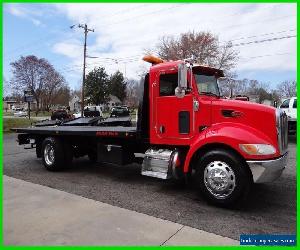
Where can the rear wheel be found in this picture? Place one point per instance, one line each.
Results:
(223, 177)
(55, 154)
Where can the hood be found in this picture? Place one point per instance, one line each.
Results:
(257, 116)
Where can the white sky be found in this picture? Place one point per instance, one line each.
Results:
(124, 31)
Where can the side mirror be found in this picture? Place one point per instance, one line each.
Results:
(182, 80)
(182, 76)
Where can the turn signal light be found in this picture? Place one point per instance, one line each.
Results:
(258, 149)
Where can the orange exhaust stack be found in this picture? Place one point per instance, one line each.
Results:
(152, 59)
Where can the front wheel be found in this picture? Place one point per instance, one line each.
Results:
(223, 177)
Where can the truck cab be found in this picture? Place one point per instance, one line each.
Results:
(228, 143)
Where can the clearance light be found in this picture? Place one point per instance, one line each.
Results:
(258, 149)
(152, 59)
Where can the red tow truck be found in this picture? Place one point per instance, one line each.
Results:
(183, 127)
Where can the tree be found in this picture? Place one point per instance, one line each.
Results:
(203, 45)
(52, 89)
(117, 85)
(62, 96)
(37, 75)
(263, 95)
(6, 87)
(287, 88)
(132, 98)
(96, 86)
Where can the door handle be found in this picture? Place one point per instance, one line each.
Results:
(162, 129)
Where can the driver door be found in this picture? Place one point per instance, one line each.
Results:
(174, 116)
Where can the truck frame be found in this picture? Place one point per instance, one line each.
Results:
(184, 127)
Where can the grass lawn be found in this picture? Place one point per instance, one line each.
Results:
(7, 113)
(9, 123)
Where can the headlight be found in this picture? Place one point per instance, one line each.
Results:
(258, 149)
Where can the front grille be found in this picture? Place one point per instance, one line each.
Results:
(282, 130)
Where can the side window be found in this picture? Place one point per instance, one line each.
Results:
(167, 84)
(285, 104)
(295, 104)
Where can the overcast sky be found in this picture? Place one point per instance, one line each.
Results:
(264, 34)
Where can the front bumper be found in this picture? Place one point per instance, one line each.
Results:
(267, 170)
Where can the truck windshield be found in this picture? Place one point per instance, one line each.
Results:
(207, 85)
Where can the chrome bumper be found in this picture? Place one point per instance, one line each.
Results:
(267, 170)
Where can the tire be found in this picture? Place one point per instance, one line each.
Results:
(223, 178)
(56, 155)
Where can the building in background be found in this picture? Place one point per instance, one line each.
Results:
(75, 103)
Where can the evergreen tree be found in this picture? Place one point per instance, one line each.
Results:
(117, 85)
(96, 86)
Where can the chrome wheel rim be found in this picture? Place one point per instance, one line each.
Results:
(49, 154)
(219, 179)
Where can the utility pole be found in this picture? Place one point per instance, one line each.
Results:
(86, 31)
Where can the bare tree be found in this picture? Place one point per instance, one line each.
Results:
(132, 98)
(52, 88)
(287, 88)
(36, 75)
(203, 45)
(6, 87)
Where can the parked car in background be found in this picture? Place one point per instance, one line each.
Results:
(289, 106)
(120, 111)
(77, 114)
(90, 111)
(60, 115)
(20, 113)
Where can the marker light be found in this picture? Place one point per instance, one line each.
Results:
(258, 149)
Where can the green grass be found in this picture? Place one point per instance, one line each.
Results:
(8, 113)
(9, 123)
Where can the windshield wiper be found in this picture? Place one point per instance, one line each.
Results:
(209, 93)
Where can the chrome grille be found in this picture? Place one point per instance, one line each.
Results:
(282, 130)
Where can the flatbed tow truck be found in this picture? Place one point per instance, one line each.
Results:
(183, 127)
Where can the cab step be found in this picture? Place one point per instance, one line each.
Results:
(158, 163)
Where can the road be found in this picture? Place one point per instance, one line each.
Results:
(270, 209)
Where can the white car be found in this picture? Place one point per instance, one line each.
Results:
(77, 115)
(289, 106)
(20, 113)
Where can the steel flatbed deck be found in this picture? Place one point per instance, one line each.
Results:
(98, 131)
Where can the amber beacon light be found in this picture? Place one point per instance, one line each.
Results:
(152, 59)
